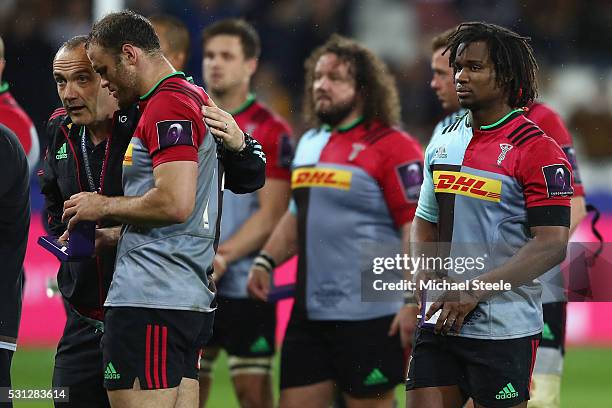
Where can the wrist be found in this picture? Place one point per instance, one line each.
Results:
(265, 261)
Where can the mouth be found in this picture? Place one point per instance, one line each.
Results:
(462, 93)
(75, 109)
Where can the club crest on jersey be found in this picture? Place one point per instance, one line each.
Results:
(505, 148)
(357, 147)
(558, 180)
(174, 133)
(440, 153)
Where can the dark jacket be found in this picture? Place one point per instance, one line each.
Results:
(85, 284)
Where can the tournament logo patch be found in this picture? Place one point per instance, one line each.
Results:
(570, 154)
(558, 180)
(285, 154)
(174, 133)
(411, 178)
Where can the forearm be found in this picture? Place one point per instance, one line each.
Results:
(423, 238)
(578, 213)
(153, 209)
(249, 238)
(532, 260)
(282, 243)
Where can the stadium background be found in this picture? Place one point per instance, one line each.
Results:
(570, 38)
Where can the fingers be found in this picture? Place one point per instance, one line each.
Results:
(459, 322)
(64, 237)
(394, 326)
(216, 114)
(441, 320)
(69, 213)
(449, 321)
(216, 124)
(433, 309)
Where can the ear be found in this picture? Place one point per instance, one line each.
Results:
(130, 53)
(252, 65)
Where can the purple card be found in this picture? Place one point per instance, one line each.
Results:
(80, 246)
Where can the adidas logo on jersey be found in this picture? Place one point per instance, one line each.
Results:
(440, 153)
(507, 392)
(61, 153)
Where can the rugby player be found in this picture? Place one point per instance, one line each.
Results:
(244, 327)
(160, 304)
(350, 191)
(16, 119)
(546, 380)
(14, 225)
(520, 213)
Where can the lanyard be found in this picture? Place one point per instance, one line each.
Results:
(90, 180)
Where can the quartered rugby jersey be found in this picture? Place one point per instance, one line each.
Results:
(484, 189)
(273, 134)
(352, 189)
(166, 267)
(552, 125)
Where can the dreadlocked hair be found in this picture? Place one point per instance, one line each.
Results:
(512, 56)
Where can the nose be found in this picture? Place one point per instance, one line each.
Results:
(461, 76)
(70, 91)
(321, 83)
(104, 83)
(433, 84)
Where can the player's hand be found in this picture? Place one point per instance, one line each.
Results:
(85, 206)
(106, 239)
(258, 284)
(219, 266)
(405, 322)
(455, 307)
(223, 126)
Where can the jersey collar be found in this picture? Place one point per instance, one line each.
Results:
(4, 87)
(148, 94)
(501, 122)
(250, 100)
(346, 127)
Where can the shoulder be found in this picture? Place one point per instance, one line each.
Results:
(549, 121)
(176, 90)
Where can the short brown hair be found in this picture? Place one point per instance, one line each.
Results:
(441, 40)
(251, 45)
(372, 80)
(177, 33)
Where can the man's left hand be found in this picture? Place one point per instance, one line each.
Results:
(223, 126)
(455, 307)
(85, 206)
(405, 321)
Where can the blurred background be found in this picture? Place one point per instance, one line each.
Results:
(571, 39)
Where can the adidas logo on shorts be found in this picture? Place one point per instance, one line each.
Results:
(110, 373)
(507, 392)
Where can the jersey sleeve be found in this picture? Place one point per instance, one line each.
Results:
(550, 122)
(401, 176)
(278, 147)
(427, 207)
(173, 131)
(546, 178)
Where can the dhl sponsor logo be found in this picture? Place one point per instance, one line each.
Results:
(321, 177)
(466, 184)
(127, 157)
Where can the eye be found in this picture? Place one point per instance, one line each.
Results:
(60, 81)
(476, 67)
(82, 78)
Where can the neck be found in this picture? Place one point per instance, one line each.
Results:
(232, 100)
(153, 71)
(490, 114)
(99, 130)
(348, 119)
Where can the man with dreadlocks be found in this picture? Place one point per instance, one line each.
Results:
(546, 381)
(497, 187)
